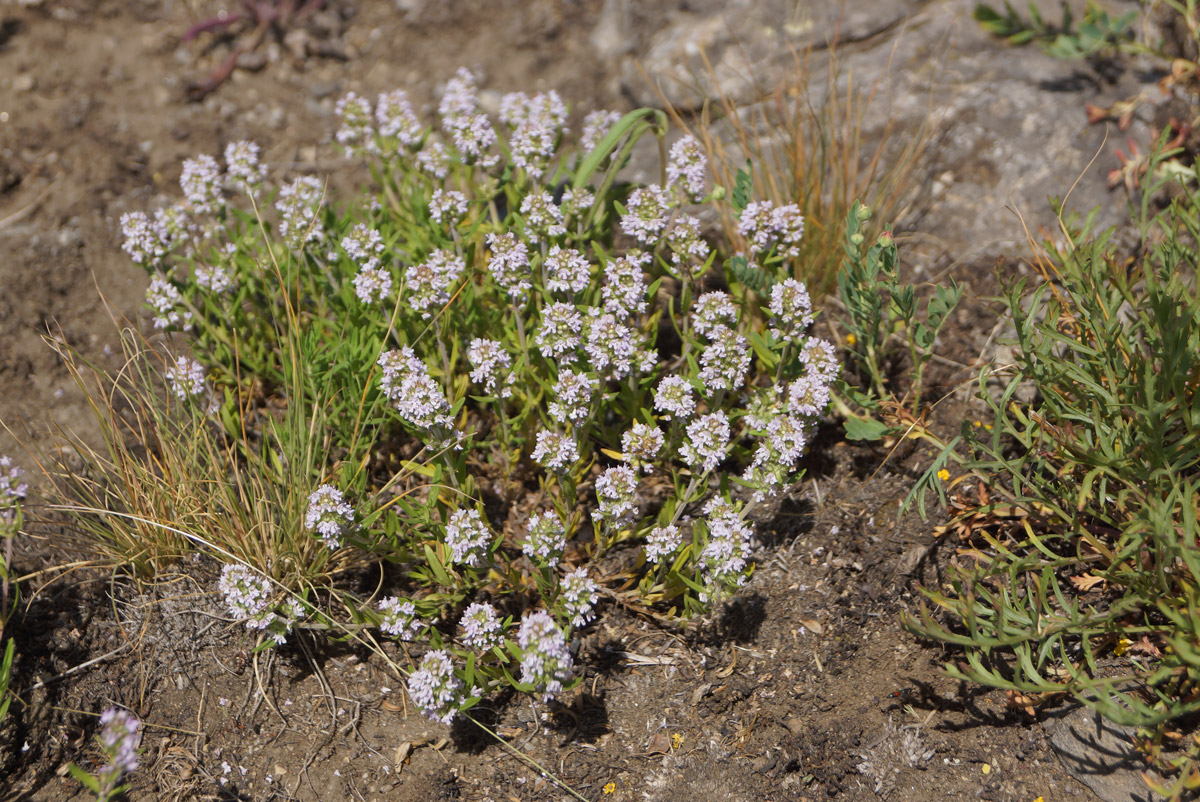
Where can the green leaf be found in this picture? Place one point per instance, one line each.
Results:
(88, 781)
(867, 429)
(742, 187)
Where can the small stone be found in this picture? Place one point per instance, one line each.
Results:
(23, 83)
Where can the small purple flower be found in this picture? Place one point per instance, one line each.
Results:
(567, 270)
(299, 204)
(201, 183)
(120, 736)
(791, 310)
(555, 450)
(624, 290)
(545, 662)
(573, 394)
(167, 302)
(490, 364)
(675, 397)
(558, 335)
(545, 538)
(596, 126)
(641, 445)
(579, 596)
(357, 132)
(399, 618)
(509, 264)
(434, 688)
(714, 310)
(724, 363)
(328, 515)
(707, 438)
(146, 241)
(468, 538)
(394, 117)
(481, 627)
(429, 282)
(372, 283)
(11, 487)
(615, 491)
(686, 168)
(186, 377)
(243, 170)
(646, 214)
(447, 207)
(662, 542)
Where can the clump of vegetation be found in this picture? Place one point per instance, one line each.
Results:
(483, 375)
(1079, 507)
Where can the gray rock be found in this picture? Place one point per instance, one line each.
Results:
(1099, 754)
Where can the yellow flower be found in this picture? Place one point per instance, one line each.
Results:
(1039, 799)
(676, 740)
(944, 475)
(851, 340)
(986, 768)
(1122, 645)
(610, 788)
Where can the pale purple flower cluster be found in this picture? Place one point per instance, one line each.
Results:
(555, 450)
(576, 202)
(434, 160)
(675, 398)
(447, 207)
(567, 270)
(724, 558)
(624, 290)
(434, 688)
(714, 310)
(687, 247)
(707, 438)
(363, 244)
(408, 385)
(468, 538)
(616, 489)
(395, 118)
(243, 169)
(167, 303)
(357, 131)
(641, 445)
(430, 281)
(543, 217)
(687, 168)
(725, 360)
(791, 310)
(596, 126)
(146, 241)
(545, 538)
(372, 283)
(579, 596)
(809, 395)
(328, 515)
(481, 627)
(11, 486)
(186, 377)
(399, 618)
(558, 335)
(545, 662)
(647, 211)
(611, 346)
(784, 439)
(820, 358)
(217, 278)
(662, 542)
(247, 596)
(201, 184)
(573, 393)
(473, 133)
(768, 228)
(120, 737)
(509, 264)
(299, 206)
(490, 363)
(537, 122)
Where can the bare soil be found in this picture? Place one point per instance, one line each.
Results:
(804, 687)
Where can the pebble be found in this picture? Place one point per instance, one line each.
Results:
(24, 83)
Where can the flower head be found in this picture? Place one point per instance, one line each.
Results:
(573, 394)
(408, 385)
(429, 282)
(468, 538)
(120, 736)
(394, 117)
(707, 438)
(641, 445)
(662, 542)
(686, 168)
(791, 310)
(299, 204)
(509, 264)
(447, 207)
(675, 397)
(372, 283)
(579, 596)
(611, 345)
(770, 228)
(201, 183)
(714, 310)
(357, 133)
(328, 515)
(434, 688)
(545, 661)
(481, 627)
(596, 126)
(545, 538)
(490, 363)
(167, 302)
(399, 618)
(11, 486)
(616, 489)
(624, 290)
(146, 241)
(555, 450)
(243, 170)
(646, 214)
(567, 270)
(724, 363)
(558, 335)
